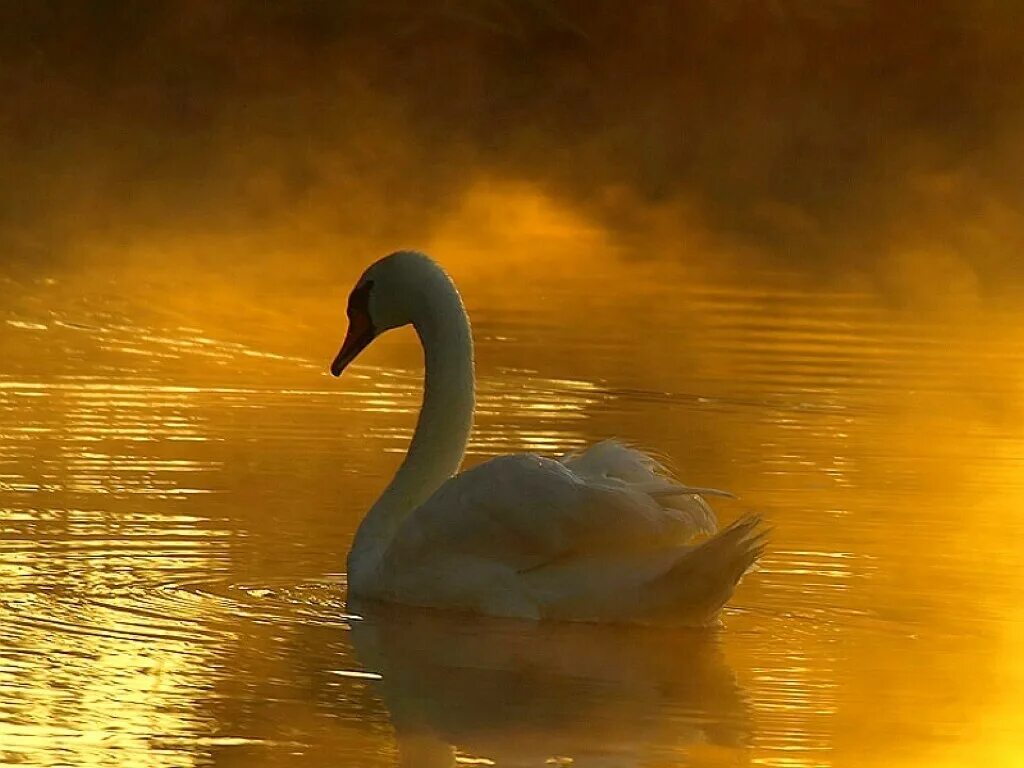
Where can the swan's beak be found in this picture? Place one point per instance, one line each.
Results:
(360, 333)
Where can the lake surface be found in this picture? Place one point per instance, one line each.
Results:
(180, 481)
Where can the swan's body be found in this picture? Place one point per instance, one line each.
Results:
(604, 535)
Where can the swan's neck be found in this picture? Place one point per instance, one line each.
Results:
(442, 429)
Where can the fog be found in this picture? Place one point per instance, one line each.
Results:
(871, 143)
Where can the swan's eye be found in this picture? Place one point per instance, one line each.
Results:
(359, 300)
(360, 327)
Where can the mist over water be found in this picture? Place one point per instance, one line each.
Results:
(865, 141)
(776, 243)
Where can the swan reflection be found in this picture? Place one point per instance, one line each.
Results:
(515, 693)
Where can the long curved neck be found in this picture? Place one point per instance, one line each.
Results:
(444, 423)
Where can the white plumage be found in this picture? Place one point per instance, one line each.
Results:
(603, 535)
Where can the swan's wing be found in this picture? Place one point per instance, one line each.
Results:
(525, 511)
(611, 461)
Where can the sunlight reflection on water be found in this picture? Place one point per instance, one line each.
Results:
(175, 509)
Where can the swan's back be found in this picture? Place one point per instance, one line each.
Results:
(585, 538)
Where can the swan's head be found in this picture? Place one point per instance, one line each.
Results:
(391, 293)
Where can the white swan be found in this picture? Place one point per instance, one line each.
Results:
(604, 535)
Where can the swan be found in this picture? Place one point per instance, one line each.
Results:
(605, 535)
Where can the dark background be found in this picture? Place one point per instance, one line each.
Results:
(833, 135)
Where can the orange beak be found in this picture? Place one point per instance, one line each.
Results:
(360, 333)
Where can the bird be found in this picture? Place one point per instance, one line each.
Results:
(604, 535)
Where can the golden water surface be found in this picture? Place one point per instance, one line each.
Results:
(180, 481)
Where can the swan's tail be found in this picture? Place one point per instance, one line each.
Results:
(698, 584)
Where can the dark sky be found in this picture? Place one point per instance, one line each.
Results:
(830, 134)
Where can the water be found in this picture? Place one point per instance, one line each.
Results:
(180, 481)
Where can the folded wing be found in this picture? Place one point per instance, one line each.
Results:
(526, 511)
